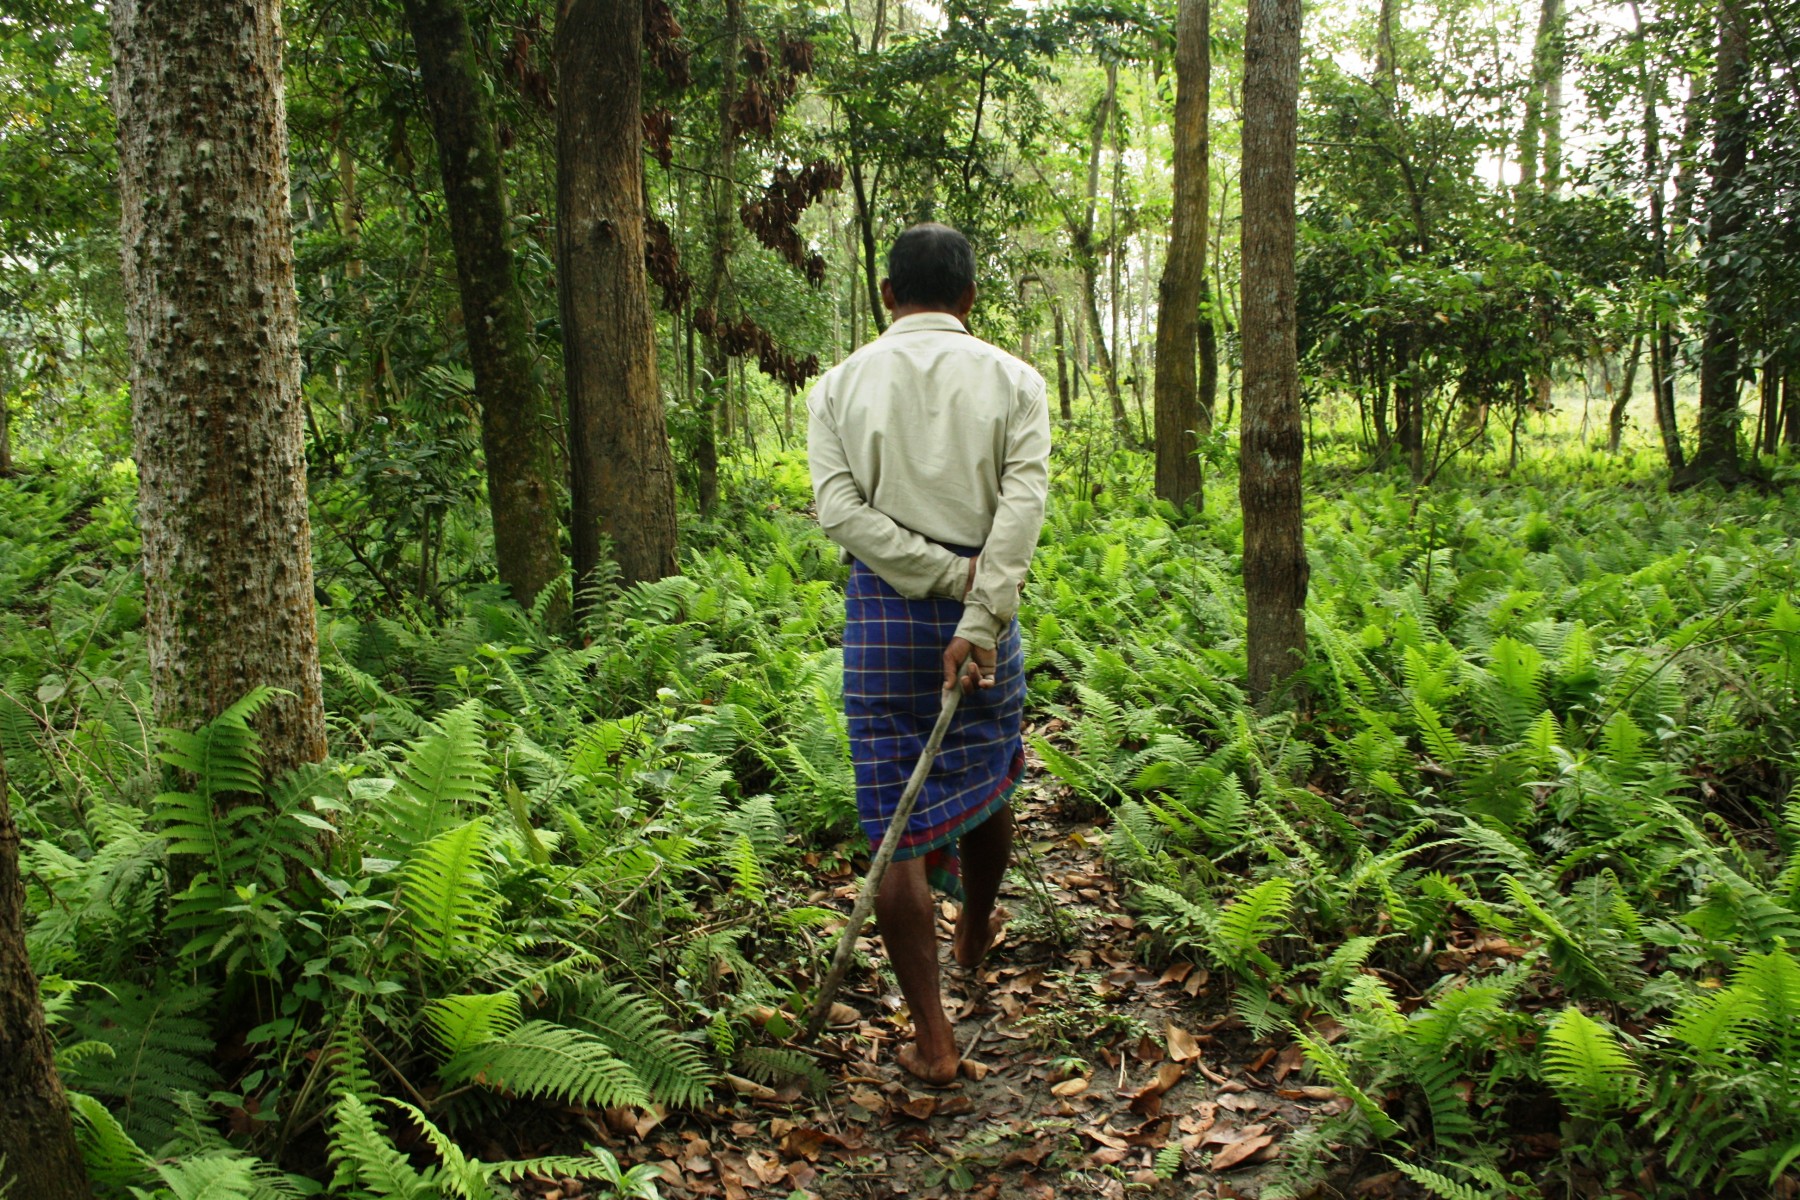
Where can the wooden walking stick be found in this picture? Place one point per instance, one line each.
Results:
(871, 887)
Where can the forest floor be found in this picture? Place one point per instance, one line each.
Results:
(1084, 1070)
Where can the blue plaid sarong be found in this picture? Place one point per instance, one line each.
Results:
(893, 678)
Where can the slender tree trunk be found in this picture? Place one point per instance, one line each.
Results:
(6, 462)
(1615, 418)
(1716, 453)
(716, 293)
(1662, 338)
(210, 310)
(1790, 408)
(516, 434)
(1769, 414)
(1543, 104)
(38, 1155)
(1088, 255)
(1062, 363)
(1272, 445)
(865, 225)
(1178, 407)
(622, 477)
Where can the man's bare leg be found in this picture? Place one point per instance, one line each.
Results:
(908, 923)
(986, 850)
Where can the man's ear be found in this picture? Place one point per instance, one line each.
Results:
(887, 295)
(966, 302)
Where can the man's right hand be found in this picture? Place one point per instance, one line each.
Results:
(973, 665)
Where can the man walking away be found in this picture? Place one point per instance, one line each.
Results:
(929, 452)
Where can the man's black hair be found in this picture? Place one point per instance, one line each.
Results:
(931, 265)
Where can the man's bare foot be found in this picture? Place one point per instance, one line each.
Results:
(938, 1072)
(974, 939)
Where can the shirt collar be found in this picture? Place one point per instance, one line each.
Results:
(920, 322)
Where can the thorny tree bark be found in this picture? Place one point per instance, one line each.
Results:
(1275, 569)
(516, 433)
(1178, 405)
(621, 475)
(207, 246)
(38, 1154)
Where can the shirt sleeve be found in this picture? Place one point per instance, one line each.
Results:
(1024, 488)
(912, 565)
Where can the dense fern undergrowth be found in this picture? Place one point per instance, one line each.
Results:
(1523, 860)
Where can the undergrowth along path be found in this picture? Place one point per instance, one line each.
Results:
(1086, 1073)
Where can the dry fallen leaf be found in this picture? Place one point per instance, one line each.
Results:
(803, 1143)
(1070, 1087)
(920, 1107)
(1028, 1156)
(842, 1014)
(749, 1087)
(1238, 1151)
(975, 1070)
(1182, 1045)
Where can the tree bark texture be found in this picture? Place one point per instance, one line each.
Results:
(622, 476)
(1716, 451)
(516, 421)
(716, 296)
(1178, 415)
(38, 1155)
(215, 366)
(1540, 143)
(1271, 445)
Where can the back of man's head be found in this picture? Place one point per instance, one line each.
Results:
(931, 266)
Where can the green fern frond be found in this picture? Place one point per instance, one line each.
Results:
(447, 893)
(1587, 1066)
(445, 774)
(461, 1023)
(1332, 1066)
(114, 1161)
(776, 1065)
(366, 1163)
(543, 1060)
(636, 1029)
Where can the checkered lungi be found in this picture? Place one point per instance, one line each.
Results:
(893, 678)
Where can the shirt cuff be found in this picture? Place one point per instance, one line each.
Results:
(953, 581)
(979, 627)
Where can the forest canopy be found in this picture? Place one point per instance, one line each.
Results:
(425, 768)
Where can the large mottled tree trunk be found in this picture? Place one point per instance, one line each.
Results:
(1178, 408)
(516, 429)
(622, 478)
(1716, 451)
(38, 1154)
(215, 366)
(1271, 445)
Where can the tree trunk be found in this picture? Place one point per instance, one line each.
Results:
(210, 311)
(1542, 134)
(1178, 408)
(716, 295)
(621, 474)
(1790, 409)
(1088, 256)
(1615, 418)
(1769, 413)
(1062, 363)
(1662, 338)
(1716, 452)
(1275, 569)
(6, 462)
(516, 435)
(38, 1155)
(865, 226)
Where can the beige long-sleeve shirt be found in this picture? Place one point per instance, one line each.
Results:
(927, 435)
